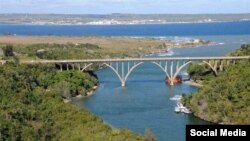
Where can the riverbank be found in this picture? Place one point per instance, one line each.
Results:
(224, 100)
(192, 83)
(88, 94)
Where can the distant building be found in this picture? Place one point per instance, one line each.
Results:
(196, 41)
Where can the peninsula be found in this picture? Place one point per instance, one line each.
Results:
(67, 47)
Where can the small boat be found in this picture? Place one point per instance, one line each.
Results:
(180, 108)
(176, 98)
(186, 111)
(177, 110)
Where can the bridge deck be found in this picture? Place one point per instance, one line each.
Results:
(134, 59)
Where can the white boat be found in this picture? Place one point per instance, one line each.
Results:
(176, 98)
(177, 109)
(181, 108)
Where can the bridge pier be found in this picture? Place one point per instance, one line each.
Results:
(221, 65)
(61, 69)
(123, 84)
(171, 82)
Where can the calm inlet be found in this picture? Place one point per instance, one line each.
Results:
(145, 101)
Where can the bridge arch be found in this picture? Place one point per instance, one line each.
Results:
(163, 69)
(213, 68)
(180, 68)
(130, 70)
(86, 66)
(123, 78)
(115, 71)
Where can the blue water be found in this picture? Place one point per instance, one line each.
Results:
(188, 29)
(145, 101)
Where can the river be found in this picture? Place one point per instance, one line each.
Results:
(145, 101)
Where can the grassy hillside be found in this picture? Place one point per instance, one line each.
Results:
(31, 107)
(225, 98)
(64, 47)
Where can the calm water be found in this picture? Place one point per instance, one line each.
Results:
(227, 28)
(145, 101)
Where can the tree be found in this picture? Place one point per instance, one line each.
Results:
(63, 88)
(8, 51)
(30, 109)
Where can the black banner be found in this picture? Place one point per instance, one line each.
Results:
(217, 132)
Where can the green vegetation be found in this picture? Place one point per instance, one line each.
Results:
(54, 51)
(199, 72)
(8, 50)
(32, 96)
(149, 136)
(58, 51)
(31, 106)
(243, 51)
(73, 82)
(225, 98)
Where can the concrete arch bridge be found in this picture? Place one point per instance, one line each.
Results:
(124, 67)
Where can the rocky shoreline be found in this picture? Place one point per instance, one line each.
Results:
(193, 83)
(79, 97)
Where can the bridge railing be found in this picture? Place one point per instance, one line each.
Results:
(134, 59)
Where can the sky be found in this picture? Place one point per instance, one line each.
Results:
(125, 6)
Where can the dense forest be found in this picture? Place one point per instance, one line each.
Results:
(32, 107)
(225, 98)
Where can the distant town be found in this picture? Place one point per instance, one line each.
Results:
(118, 19)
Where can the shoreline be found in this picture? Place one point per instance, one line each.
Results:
(192, 83)
(80, 97)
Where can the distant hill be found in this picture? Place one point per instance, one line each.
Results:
(118, 18)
